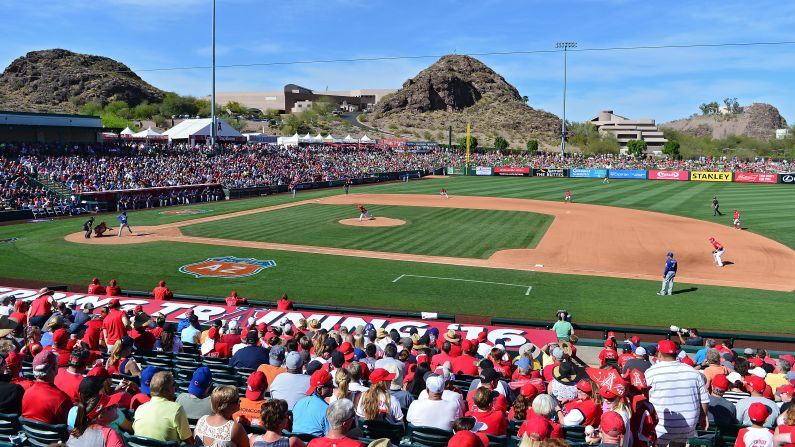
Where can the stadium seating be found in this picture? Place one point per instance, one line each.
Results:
(381, 429)
(40, 434)
(428, 436)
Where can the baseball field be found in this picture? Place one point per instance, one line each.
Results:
(499, 246)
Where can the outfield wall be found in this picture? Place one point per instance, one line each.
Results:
(787, 178)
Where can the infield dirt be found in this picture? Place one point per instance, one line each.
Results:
(583, 239)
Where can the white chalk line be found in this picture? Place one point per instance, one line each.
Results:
(529, 288)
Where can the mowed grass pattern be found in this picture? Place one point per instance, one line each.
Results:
(465, 233)
(768, 210)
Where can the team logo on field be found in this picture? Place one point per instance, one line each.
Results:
(226, 267)
(183, 212)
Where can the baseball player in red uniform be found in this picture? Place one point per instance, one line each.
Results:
(718, 252)
(443, 194)
(737, 225)
(567, 197)
(364, 214)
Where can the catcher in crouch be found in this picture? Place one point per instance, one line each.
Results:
(364, 213)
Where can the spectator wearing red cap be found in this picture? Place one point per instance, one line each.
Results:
(496, 422)
(309, 413)
(43, 401)
(785, 394)
(376, 402)
(68, 379)
(93, 425)
(786, 423)
(757, 435)
(608, 353)
(114, 326)
(756, 385)
(275, 418)
(612, 431)
(722, 413)
(251, 402)
(161, 292)
(284, 303)
(614, 401)
(583, 410)
(40, 309)
(235, 300)
(678, 393)
(523, 402)
(213, 347)
(95, 288)
(112, 289)
(534, 430)
(10, 393)
(60, 338)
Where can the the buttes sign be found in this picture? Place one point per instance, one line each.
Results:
(511, 337)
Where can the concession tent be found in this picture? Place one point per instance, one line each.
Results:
(148, 134)
(317, 138)
(329, 139)
(289, 141)
(126, 133)
(366, 140)
(198, 131)
(349, 139)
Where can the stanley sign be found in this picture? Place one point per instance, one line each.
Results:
(702, 176)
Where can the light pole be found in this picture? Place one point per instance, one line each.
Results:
(565, 46)
(213, 128)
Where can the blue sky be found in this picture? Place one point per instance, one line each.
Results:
(661, 84)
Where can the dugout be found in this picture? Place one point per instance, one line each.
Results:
(25, 127)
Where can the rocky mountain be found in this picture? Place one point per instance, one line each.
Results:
(757, 120)
(61, 81)
(460, 89)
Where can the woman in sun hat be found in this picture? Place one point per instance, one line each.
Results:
(563, 385)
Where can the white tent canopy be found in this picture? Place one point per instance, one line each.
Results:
(190, 129)
(366, 139)
(349, 139)
(289, 141)
(148, 133)
(329, 138)
(126, 133)
(317, 139)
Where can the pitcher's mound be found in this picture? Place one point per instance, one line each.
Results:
(377, 222)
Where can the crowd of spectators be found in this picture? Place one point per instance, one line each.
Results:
(304, 381)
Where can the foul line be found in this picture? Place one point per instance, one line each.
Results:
(529, 288)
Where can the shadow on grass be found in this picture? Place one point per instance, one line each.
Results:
(688, 290)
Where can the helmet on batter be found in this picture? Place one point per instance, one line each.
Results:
(671, 254)
(712, 238)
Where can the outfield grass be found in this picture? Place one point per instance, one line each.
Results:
(43, 254)
(465, 233)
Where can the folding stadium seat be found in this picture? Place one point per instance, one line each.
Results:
(9, 429)
(141, 441)
(190, 348)
(574, 434)
(214, 361)
(226, 379)
(382, 429)
(498, 441)
(428, 436)
(221, 369)
(41, 434)
(186, 356)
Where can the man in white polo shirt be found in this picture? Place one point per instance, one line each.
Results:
(678, 393)
(433, 411)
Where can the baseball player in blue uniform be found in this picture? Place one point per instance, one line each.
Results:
(123, 222)
(668, 274)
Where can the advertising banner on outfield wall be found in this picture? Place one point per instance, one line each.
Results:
(627, 173)
(550, 172)
(788, 178)
(507, 170)
(706, 176)
(455, 170)
(511, 337)
(681, 176)
(755, 177)
(483, 170)
(587, 173)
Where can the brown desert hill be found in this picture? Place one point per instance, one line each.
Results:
(459, 89)
(60, 81)
(758, 120)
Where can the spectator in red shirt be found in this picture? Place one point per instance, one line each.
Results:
(93, 334)
(59, 340)
(609, 352)
(41, 308)
(496, 422)
(115, 325)
(523, 403)
(235, 300)
(95, 288)
(442, 357)
(466, 363)
(284, 303)
(68, 379)
(20, 313)
(212, 346)
(43, 401)
(161, 292)
(144, 340)
(112, 289)
(455, 343)
(14, 370)
(490, 378)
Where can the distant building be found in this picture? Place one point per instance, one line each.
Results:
(782, 133)
(294, 98)
(49, 128)
(625, 129)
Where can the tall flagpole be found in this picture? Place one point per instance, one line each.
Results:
(213, 127)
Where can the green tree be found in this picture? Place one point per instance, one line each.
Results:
(473, 143)
(709, 108)
(532, 145)
(234, 108)
(323, 106)
(91, 109)
(145, 110)
(294, 123)
(117, 122)
(671, 149)
(118, 108)
(636, 148)
(500, 144)
(175, 105)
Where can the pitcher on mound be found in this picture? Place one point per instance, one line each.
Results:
(364, 213)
